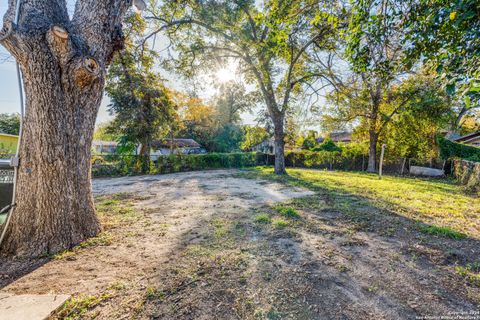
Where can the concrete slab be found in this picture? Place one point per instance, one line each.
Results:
(29, 307)
(426, 172)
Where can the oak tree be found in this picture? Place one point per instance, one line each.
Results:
(270, 41)
(63, 61)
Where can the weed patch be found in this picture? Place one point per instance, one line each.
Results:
(442, 231)
(471, 273)
(263, 218)
(288, 212)
(280, 223)
(77, 307)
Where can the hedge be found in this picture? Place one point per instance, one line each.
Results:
(453, 150)
(324, 160)
(127, 165)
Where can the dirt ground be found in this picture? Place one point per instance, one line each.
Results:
(211, 245)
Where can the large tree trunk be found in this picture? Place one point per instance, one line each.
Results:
(372, 152)
(63, 64)
(279, 140)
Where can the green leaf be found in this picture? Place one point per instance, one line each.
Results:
(474, 89)
(467, 102)
(450, 89)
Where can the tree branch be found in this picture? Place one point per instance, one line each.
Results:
(99, 24)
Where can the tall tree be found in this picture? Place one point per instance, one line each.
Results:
(63, 62)
(140, 103)
(231, 100)
(197, 120)
(270, 40)
(376, 53)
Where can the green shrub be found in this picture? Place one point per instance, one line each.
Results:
(126, 165)
(328, 145)
(324, 159)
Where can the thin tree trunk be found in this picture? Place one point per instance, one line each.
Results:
(372, 152)
(63, 63)
(144, 157)
(279, 140)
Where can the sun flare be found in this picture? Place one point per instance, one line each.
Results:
(226, 73)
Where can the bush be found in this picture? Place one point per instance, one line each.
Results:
(324, 160)
(328, 145)
(450, 149)
(127, 165)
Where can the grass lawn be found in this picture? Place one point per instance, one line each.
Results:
(439, 203)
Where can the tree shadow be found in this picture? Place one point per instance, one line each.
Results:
(12, 269)
(352, 261)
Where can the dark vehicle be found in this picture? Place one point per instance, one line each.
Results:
(6, 186)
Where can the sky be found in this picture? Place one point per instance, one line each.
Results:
(9, 91)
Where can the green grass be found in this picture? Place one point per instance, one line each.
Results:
(280, 223)
(287, 212)
(436, 202)
(263, 218)
(443, 231)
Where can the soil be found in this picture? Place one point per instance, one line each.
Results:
(190, 246)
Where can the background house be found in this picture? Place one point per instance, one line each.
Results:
(176, 146)
(104, 147)
(472, 139)
(341, 136)
(266, 146)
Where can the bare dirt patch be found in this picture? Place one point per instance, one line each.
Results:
(213, 245)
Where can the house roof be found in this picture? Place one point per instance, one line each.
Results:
(266, 142)
(341, 136)
(468, 137)
(104, 143)
(177, 143)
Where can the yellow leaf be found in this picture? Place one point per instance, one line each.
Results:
(453, 15)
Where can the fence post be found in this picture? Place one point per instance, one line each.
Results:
(403, 166)
(380, 169)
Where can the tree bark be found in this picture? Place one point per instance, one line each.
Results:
(372, 152)
(144, 158)
(63, 64)
(279, 141)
